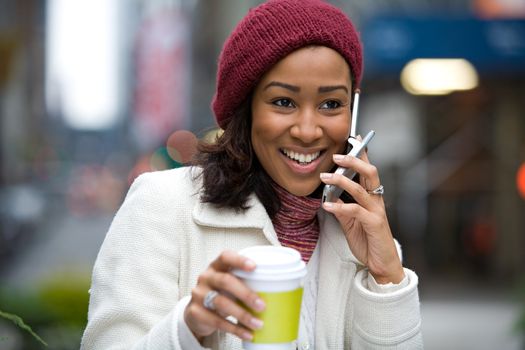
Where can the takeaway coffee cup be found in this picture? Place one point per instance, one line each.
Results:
(278, 279)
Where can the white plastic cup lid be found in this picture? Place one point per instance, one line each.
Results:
(273, 263)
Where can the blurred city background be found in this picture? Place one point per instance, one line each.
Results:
(95, 92)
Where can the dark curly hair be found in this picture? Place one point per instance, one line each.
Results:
(231, 171)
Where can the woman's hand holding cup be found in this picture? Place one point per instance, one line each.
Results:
(215, 297)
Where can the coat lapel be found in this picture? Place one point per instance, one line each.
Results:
(337, 267)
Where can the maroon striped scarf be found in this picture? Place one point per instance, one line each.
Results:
(296, 222)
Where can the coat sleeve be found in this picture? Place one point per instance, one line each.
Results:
(134, 295)
(388, 320)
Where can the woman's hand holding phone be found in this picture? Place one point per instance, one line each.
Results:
(365, 222)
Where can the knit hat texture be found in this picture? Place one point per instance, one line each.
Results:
(267, 34)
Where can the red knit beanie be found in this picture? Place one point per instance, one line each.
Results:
(267, 34)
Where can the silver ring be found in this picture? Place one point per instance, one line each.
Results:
(379, 190)
(209, 298)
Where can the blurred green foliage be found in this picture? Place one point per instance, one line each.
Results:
(56, 310)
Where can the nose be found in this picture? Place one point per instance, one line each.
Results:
(307, 127)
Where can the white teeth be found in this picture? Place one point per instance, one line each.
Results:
(301, 158)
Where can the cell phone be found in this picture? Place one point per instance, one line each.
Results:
(331, 192)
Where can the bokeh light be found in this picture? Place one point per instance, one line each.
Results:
(520, 180)
(181, 146)
(161, 160)
(438, 76)
(211, 136)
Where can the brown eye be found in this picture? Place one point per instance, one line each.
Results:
(332, 104)
(284, 102)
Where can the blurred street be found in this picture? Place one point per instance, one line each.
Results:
(66, 245)
(465, 317)
(465, 325)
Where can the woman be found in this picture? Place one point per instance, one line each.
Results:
(162, 279)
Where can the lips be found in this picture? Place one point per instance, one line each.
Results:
(302, 158)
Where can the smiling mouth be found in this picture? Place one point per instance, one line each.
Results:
(301, 158)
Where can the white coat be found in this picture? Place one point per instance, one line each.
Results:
(163, 237)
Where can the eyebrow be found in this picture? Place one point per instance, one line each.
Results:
(322, 89)
(283, 85)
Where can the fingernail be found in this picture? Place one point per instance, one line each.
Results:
(259, 304)
(256, 323)
(326, 175)
(246, 336)
(339, 157)
(249, 264)
(328, 205)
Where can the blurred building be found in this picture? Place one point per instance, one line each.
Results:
(23, 120)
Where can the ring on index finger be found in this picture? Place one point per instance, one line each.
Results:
(379, 190)
(209, 298)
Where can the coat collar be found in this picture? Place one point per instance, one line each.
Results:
(255, 217)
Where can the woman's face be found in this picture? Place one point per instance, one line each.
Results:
(301, 117)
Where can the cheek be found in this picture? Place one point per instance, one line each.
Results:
(260, 134)
(261, 137)
(339, 132)
(266, 127)
(340, 138)
(257, 143)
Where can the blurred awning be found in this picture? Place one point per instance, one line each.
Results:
(492, 46)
